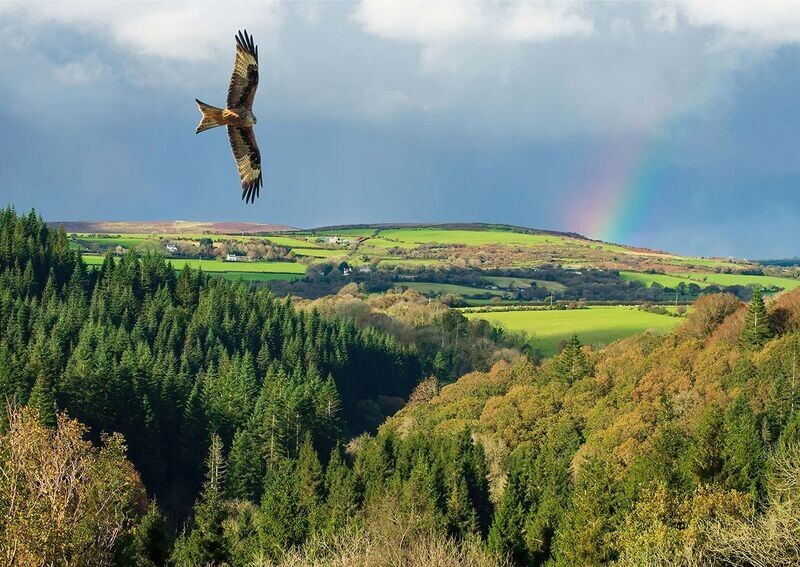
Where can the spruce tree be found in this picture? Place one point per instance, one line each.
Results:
(310, 486)
(245, 468)
(757, 330)
(43, 399)
(571, 363)
(206, 544)
(742, 448)
(341, 491)
(280, 522)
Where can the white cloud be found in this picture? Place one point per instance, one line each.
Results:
(770, 21)
(180, 31)
(431, 23)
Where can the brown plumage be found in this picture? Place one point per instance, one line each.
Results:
(238, 116)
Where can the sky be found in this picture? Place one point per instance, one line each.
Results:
(671, 125)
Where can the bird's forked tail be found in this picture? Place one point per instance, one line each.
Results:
(212, 116)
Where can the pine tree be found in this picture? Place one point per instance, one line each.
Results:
(206, 544)
(280, 522)
(583, 536)
(571, 363)
(757, 330)
(310, 486)
(342, 495)
(705, 451)
(245, 468)
(43, 399)
(505, 535)
(742, 448)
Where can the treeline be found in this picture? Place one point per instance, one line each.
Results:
(421, 485)
(675, 450)
(166, 360)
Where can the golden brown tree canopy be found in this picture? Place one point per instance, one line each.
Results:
(238, 116)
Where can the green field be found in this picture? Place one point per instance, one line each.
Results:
(470, 237)
(742, 279)
(319, 252)
(411, 262)
(598, 326)
(664, 280)
(288, 268)
(522, 283)
(289, 242)
(259, 276)
(704, 280)
(430, 288)
(347, 232)
(126, 241)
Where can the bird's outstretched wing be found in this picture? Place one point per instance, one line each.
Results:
(244, 80)
(248, 160)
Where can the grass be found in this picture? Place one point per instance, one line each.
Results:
(347, 232)
(743, 279)
(289, 242)
(288, 268)
(664, 280)
(413, 262)
(598, 326)
(124, 241)
(319, 252)
(470, 237)
(705, 262)
(430, 288)
(522, 283)
(704, 280)
(258, 277)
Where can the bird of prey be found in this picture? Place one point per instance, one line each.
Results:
(238, 116)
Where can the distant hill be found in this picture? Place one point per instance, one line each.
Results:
(169, 227)
(477, 226)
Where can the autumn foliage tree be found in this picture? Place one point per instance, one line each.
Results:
(63, 501)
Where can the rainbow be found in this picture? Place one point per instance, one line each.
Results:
(617, 192)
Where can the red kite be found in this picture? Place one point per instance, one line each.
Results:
(238, 116)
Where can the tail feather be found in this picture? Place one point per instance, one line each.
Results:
(212, 116)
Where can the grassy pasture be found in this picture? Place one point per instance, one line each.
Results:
(598, 326)
(430, 288)
(258, 276)
(125, 241)
(521, 283)
(288, 268)
(705, 262)
(665, 280)
(352, 232)
(412, 262)
(319, 252)
(289, 242)
(471, 237)
(743, 279)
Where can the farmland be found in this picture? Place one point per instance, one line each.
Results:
(462, 290)
(469, 264)
(248, 271)
(598, 326)
(476, 246)
(705, 279)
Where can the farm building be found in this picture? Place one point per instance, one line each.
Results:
(231, 257)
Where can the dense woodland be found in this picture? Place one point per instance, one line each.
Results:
(159, 418)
